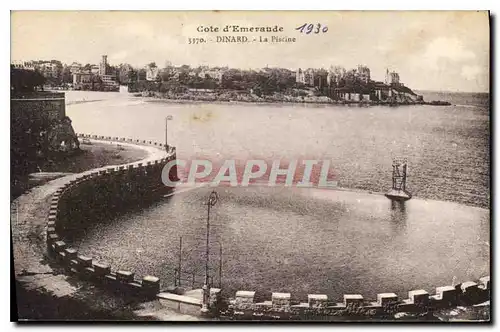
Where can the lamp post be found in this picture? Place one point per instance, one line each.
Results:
(180, 260)
(212, 200)
(220, 264)
(169, 117)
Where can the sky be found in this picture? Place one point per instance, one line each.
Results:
(445, 51)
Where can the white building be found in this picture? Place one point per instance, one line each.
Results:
(152, 73)
(49, 69)
(109, 81)
(82, 78)
(95, 69)
(300, 76)
(309, 77)
(103, 65)
(28, 65)
(213, 73)
(392, 78)
(335, 74)
(363, 73)
(75, 67)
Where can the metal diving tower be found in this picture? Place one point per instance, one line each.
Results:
(399, 173)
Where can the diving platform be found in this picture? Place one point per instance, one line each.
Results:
(398, 191)
(398, 195)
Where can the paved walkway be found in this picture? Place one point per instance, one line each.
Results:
(31, 267)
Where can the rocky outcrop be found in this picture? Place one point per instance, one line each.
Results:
(35, 144)
(61, 137)
(40, 130)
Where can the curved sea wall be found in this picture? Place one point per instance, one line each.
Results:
(318, 306)
(95, 196)
(99, 194)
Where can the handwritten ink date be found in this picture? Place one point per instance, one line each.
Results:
(196, 40)
(309, 28)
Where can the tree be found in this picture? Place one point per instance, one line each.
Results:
(141, 74)
(96, 83)
(165, 75)
(66, 76)
(112, 70)
(59, 70)
(22, 80)
(183, 77)
(124, 73)
(132, 75)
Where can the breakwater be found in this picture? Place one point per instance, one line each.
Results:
(80, 201)
(281, 306)
(95, 196)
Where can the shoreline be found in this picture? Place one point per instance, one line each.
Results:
(152, 97)
(182, 188)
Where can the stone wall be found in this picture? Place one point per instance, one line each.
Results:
(79, 202)
(49, 105)
(40, 130)
(318, 306)
(181, 304)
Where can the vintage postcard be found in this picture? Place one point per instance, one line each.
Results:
(251, 165)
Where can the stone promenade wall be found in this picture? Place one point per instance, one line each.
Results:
(318, 306)
(98, 194)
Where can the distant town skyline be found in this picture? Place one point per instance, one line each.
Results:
(447, 51)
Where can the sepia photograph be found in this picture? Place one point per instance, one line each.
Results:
(250, 166)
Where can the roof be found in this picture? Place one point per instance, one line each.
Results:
(380, 85)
